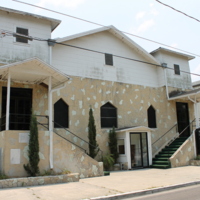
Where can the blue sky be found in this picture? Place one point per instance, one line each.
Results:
(146, 18)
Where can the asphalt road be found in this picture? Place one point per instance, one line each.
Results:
(186, 193)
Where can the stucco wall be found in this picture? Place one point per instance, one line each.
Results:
(184, 154)
(131, 101)
(11, 51)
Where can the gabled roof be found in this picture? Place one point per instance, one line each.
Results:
(189, 57)
(117, 34)
(54, 22)
(134, 129)
(33, 71)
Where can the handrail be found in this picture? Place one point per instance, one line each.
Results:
(182, 132)
(62, 137)
(98, 149)
(76, 135)
(165, 134)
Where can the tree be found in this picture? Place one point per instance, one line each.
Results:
(113, 144)
(92, 135)
(32, 167)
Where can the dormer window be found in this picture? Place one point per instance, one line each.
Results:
(109, 59)
(177, 69)
(22, 31)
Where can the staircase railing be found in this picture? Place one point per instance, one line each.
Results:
(74, 140)
(173, 130)
(190, 127)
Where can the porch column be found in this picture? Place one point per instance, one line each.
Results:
(196, 114)
(50, 122)
(8, 102)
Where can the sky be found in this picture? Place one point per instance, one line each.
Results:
(145, 18)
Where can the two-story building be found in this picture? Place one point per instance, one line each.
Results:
(147, 97)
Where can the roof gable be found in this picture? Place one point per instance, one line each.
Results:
(117, 34)
(54, 22)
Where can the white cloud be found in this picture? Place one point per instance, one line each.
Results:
(140, 15)
(145, 26)
(154, 12)
(64, 3)
(151, 4)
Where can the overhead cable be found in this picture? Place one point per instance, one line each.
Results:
(107, 26)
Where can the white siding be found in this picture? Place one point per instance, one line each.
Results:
(77, 62)
(182, 81)
(11, 51)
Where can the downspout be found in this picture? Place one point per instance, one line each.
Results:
(164, 65)
(51, 118)
(195, 111)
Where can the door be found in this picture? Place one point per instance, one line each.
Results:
(139, 150)
(20, 108)
(183, 118)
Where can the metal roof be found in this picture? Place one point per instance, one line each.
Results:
(32, 71)
(54, 22)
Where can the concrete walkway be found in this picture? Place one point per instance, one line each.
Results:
(116, 183)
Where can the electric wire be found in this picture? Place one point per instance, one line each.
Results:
(149, 40)
(178, 10)
(95, 51)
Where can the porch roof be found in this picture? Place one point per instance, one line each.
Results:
(189, 95)
(134, 128)
(32, 71)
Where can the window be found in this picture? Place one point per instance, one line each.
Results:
(177, 69)
(108, 59)
(61, 115)
(22, 31)
(121, 148)
(108, 116)
(151, 114)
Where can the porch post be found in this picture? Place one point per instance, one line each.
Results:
(196, 114)
(50, 122)
(8, 102)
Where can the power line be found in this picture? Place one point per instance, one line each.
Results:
(178, 11)
(94, 51)
(149, 40)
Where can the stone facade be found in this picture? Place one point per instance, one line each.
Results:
(40, 180)
(184, 154)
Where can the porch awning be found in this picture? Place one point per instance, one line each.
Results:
(134, 128)
(189, 95)
(33, 71)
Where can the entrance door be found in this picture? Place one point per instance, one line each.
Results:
(182, 118)
(20, 107)
(139, 150)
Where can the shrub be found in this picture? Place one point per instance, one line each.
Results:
(113, 144)
(92, 135)
(33, 152)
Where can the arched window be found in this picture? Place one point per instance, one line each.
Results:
(61, 114)
(151, 114)
(108, 116)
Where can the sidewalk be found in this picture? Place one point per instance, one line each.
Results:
(116, 183)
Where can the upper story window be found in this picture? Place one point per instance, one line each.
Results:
(108, 116)
(22, 31)
(108, 59)
(177, 69)
(151, 114)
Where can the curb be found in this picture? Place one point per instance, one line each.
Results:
(145, 192)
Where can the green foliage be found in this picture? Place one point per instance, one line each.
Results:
(113, 144)
(33, 152)
(93, 146)
(108, 161)
(3, 176)
(198, 157)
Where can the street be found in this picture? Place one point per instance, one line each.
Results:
(186, 193)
